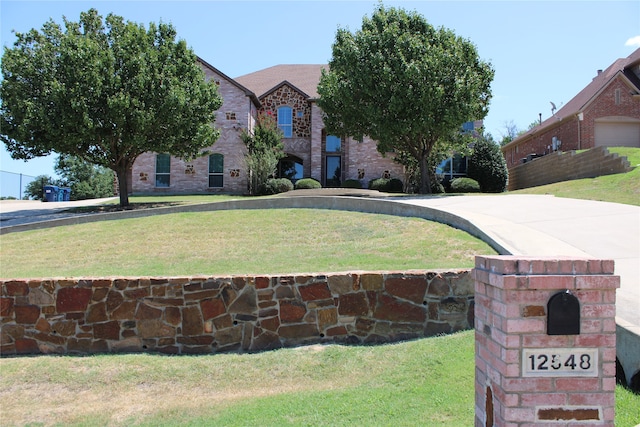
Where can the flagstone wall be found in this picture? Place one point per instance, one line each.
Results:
(185, 315)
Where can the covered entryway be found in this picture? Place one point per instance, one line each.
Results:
(617, 132)
(291, 167)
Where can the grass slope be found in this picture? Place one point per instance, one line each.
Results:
(426, 382)
(279, 241)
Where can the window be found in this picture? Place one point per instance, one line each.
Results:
(468, 127)
(216, 168)
(617, 96)
(163, 170)
(285, 121)
(333, 144)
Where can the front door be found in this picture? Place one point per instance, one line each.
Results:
(333, 171)
(332, 161)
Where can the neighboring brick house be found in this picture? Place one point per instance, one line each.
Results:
(289, 93)
(605, 113)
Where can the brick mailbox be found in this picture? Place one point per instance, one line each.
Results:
(545, 341)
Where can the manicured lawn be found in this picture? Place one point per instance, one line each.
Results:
(279, 241)
(423, 382)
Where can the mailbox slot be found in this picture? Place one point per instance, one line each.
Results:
(563, 314)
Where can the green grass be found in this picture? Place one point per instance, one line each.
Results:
(427, 382)
(279, 241)
(617, 188)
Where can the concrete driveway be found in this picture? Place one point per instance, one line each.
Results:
(553, 226)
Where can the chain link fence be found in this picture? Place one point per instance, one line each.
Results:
(13, 185)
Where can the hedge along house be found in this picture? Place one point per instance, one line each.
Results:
(289, 93)
(605, 113)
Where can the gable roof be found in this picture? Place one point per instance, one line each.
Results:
(246, 91)
(303, 77)
(578, 103)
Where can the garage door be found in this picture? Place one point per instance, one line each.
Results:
(617, 133)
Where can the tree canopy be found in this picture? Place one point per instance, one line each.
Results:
(105, 91)
(404, 83)
(86, 180)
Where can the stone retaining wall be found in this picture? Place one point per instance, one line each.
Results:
(564, 166)
(181, 315)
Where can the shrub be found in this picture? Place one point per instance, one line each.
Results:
(352, 183)
(437, 187)
(393, 185)
(488, 166)
(277, 186)
(378, 184)
(465, 185)
(307, 184)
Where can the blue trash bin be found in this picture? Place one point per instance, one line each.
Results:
(67, 194)
(51, 193)
(61, 194)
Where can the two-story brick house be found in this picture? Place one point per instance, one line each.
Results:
(289, 93)
(605, 113)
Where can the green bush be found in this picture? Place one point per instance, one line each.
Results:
(437, 187)
(307, 184)
(277, 186)
(352, 183)
(465, 185)
(488, 166)
(378, 184)
(393, 185)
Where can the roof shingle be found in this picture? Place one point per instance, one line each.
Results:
(305, 77)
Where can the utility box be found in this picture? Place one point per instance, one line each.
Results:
(545, 341)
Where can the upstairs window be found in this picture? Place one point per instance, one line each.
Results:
(163, 170)
(216, 170)
(285, 121)
(333, 144)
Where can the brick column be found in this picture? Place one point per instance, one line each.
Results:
(527, 372)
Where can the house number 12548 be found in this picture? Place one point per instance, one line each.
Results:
(560, 362)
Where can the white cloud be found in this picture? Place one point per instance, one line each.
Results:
(633, 41)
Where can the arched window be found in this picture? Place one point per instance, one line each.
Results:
(285, 121)
(216, 170)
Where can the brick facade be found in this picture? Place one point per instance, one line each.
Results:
(612, 98)
(239, 111)
(236, 113)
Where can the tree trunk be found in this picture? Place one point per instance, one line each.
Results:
(123, 190)
(425, 181)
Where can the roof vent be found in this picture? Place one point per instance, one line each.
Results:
(599, 72)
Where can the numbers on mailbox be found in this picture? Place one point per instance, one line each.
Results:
(560, 362)
(543, 362)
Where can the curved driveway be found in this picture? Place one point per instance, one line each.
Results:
(553, 226)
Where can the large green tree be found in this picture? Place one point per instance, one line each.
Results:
(404, 83)
(86, 180)
(105, 91)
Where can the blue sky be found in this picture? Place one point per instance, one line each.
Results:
(542, 51)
